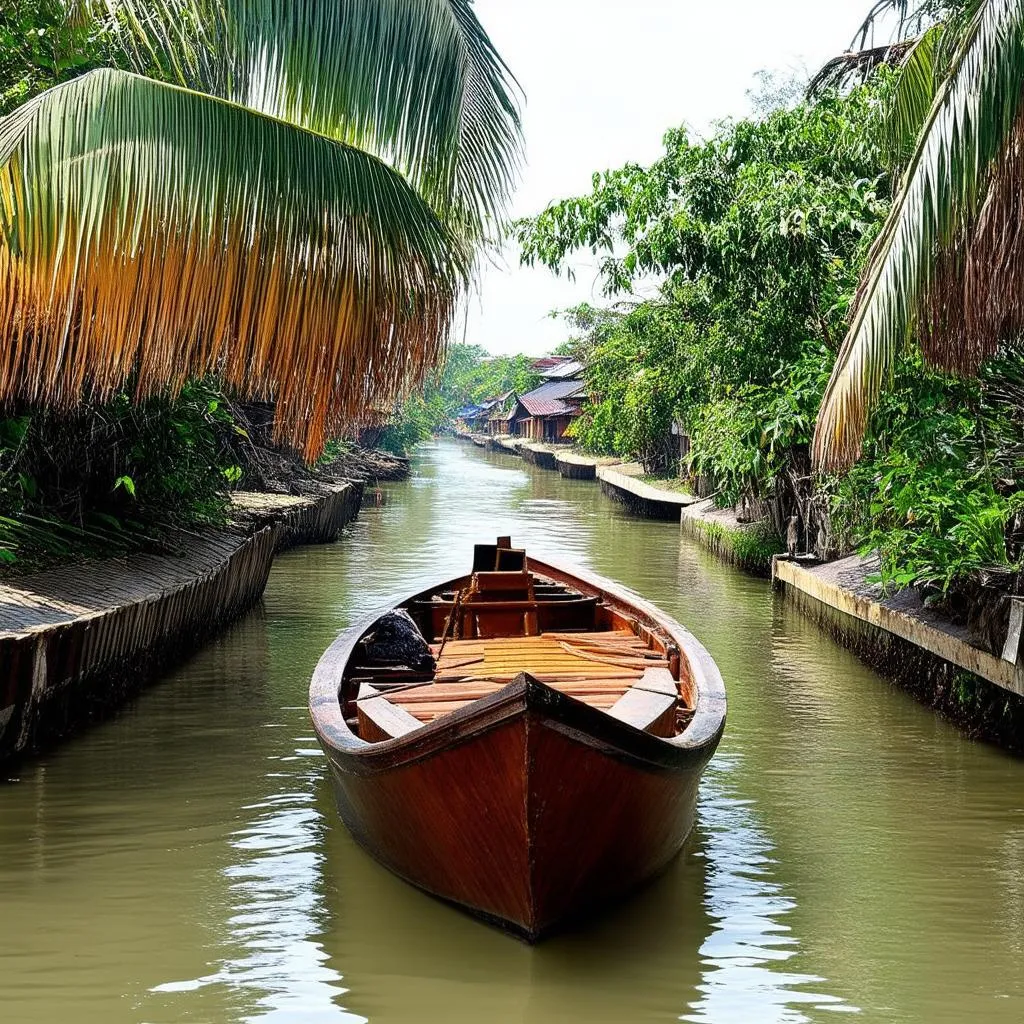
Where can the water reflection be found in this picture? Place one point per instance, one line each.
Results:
(750, 943)
(275, 894)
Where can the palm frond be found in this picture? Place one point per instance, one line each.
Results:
(854, 66)
(417, 83)
(912, 98)
(906, 19)
(967, 128)
(150, 233)
(909, 22)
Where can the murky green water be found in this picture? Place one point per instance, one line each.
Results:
(184, 862)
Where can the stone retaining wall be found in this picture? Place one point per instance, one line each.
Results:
(974, 689)
(749, 546)
(538, 455)
(576, 469)
(76, 641)
(640, 497)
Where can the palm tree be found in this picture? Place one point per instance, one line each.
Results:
(292, 201)
(948, 266)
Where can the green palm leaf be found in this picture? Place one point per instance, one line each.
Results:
(914, 93)
(155, 234)
(417, 82)
(967, 128)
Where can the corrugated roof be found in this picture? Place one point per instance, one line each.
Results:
(549, 399)
(563, 371)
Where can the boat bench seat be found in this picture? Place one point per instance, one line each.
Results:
(616, 673)
(649, 705)
(379, 719)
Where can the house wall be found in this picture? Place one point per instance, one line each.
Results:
(554, 427)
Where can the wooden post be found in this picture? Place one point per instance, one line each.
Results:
(1011, 649)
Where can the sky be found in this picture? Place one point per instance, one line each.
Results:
(603, 80)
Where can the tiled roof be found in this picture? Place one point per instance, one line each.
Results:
(547, 362)
(550, 399)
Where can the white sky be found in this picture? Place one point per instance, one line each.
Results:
(603, 80)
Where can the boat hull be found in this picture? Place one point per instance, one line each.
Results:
(541, 811)
(527, 808)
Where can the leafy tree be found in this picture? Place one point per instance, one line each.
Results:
(468, 376)
(132, 468)
(759, 235)
(42, 46)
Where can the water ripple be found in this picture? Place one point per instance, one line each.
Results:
(750, 937)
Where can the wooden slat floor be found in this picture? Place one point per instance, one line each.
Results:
(597, 668)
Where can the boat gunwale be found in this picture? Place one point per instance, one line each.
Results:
(591, 725)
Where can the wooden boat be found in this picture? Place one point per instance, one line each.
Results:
(542, 761)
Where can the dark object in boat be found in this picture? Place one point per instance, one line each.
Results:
(547, 766)
(397, 640)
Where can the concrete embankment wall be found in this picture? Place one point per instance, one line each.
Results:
(538, 455)
(576, 469)
(317, 519)
(641, 498)
(749, 546)
(75, 642)
(916, 647)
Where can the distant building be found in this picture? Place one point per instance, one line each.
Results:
(469, 417)
(546, 413)
(557, 368)
(502, 411)
(491, 416)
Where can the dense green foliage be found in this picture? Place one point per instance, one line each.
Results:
(114, 476)
(759, 236)
(940, 491)
(40, 47)
(468, 376)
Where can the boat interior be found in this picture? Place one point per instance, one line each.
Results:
(482, 631)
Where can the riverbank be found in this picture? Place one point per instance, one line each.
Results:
(622, 483)
(76, 641)
(749, 546)
(919, 648)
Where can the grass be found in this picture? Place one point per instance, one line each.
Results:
(667, 483)
(749, 547)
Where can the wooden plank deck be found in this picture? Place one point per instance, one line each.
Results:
(39, 601)
(597, 668)
(80, 637)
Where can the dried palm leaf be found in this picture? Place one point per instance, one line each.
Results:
(854, 67)
(151, 233)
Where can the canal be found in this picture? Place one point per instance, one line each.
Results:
(184, 862)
